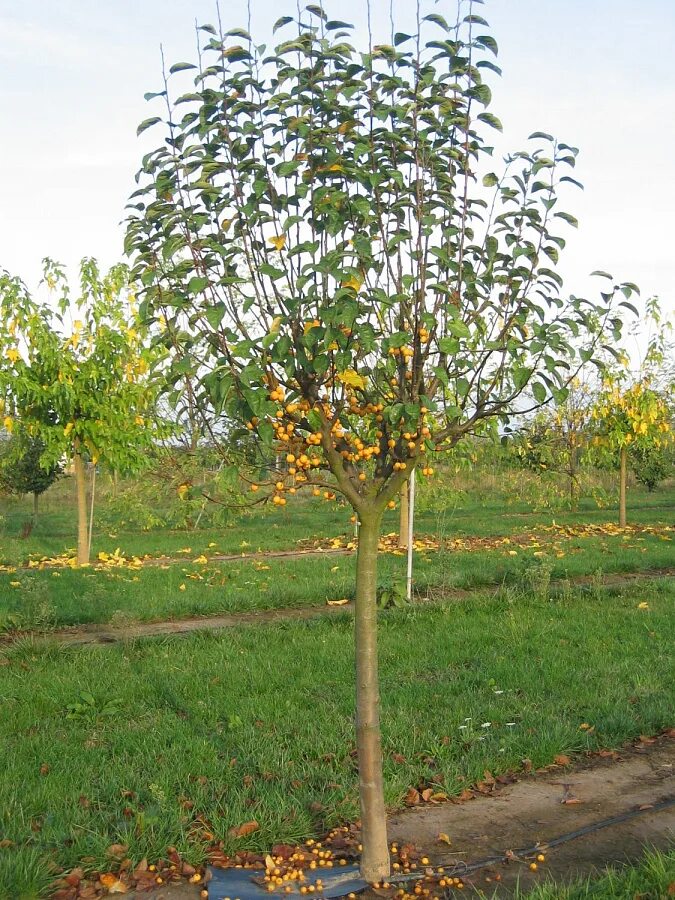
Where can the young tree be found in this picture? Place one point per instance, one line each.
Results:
(630, 416)
(74, 373)
(317, 241)
(557, 437)
(21, 469)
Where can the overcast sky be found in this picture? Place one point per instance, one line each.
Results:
(596, 73)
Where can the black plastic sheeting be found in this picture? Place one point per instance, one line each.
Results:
(238, 884)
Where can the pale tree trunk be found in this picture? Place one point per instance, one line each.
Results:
(375, 855)
(403, 517)
(36, 506)
(574, 494)
(82, 524)
(623, 466)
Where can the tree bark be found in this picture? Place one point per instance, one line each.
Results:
(623, 467)
(375, 854)
(403, 518)
(36, 505)
(82, 524)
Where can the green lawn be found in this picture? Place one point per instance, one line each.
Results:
(44, 599)
(268, 528)
(131, 743)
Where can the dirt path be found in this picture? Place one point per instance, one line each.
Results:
(632, 784)
(106, 634)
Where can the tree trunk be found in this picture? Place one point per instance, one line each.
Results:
(623, 466)
(36, 506)
(403, 518)
(573, 477)
(82, 524)
(375, 855)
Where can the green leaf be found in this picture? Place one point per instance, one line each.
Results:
(284, 20)
(490, 180)
(448, 345)
(147, 123)
(566, 217)
(316, 10)
(539, 392)
(541, 135)
(490, 120)
(437, 20)
(487, 41)
(181, 67)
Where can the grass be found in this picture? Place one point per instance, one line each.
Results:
(461, 513)
(650, 879)
(43, 599)
(139, 743)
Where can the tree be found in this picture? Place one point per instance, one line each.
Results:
(21, 469)
(314, 237)
(556, 438)
(74, 374)
(652, 464)
(630, 416)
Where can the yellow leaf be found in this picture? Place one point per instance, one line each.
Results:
(278, 242)
(181, 587)
(8, 423)
(352, 378)
(69, 427)
(276, 324)
(343, 602)
(353, 282)
(12, 354)
(443, 838)
(643, 605)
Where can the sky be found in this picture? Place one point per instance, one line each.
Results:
(598, 74)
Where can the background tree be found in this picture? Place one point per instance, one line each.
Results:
(630, 416)
(316, 240)
(652, 464)
(21, 469)
(74, 373)
(556, 439)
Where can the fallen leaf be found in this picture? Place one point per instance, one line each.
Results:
(112, 884)
(343, 602)
(562, 760)
(247, 828)
(643, 605)
(412, 798)
(443, 838)
(117, 851)
(74, 878)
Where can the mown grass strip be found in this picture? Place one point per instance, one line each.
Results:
(133, 743)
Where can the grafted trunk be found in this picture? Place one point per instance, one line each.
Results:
(375, 856)
(82, 524)
(623, 471)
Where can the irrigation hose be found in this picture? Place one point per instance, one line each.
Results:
(467, 868)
